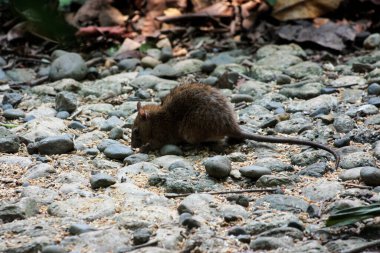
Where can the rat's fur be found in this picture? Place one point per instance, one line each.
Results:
(195, 113)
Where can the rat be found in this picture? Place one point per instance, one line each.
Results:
(196, 113)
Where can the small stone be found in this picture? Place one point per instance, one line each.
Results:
(372, 41)
(218, 166)
(370, 176)
(91, 151)
(62, 115)
(342, 142)
(166, 54)
(12, 99)
(76, 125)
(187, 220)
(208, 67)
(118, 151)
(24, 208)
(149, 62)
(344, 124)
(66, 101)
(55, 145)
(170, 149)
(283, 79)
(237, 231)
(374, 89)
(141, 236)
(374, 101)
(351, 174)
(80, 228)
(273, 181)
(361, 67)
(254, 172)
(136, 158)
(13, 114)
(128, 64)
(314, 170)
(53, 249)
(116, 133)
(110, 123)
(105, 143)
(328, 90)
(68, 65)
(143, 94)
(101, 180)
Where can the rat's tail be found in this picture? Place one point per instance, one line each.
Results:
(293, 141)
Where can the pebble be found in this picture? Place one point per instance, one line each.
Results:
(76, 125)
(68, 65)
(208, 67)
(91, 151)
(110, 123)
(13, 114)
(370, 176)
(128, 64)
(344, 124)
(356, 159)
(187, 220)
(101, 180)
(236, 231)
(117, 151)
(53, 249)
(116, 133)
(62, 115)
(141, 236)
(374, 89)
(12, 98)
(218, 166)
(149, 62)
(254, 172)
(170, 149)
(372, 41)
(66, 101)
(136, 158)
(52, 145)
(80, 228)
(166, 54)
(9, 142)
(374, 101)
(342, 142)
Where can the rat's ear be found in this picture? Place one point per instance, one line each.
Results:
(143, 114)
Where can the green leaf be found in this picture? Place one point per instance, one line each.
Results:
(351, 215)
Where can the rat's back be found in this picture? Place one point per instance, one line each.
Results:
(202, 112)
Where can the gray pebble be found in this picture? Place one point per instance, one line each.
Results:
(237, 98)
(13, 114)
(80, 228)
(166, 54)
(254, 172)
(105, 143)
(62, 115)
(344, 124)
(101, 180)
(187, 220)
(116, 133)
(374, 101)
(141, 236)
(370, 176)
(128, 64)
(118, 151)
(170, 149)
(55, 145)
(76, 125)
(91, 151)
(69, 65)
(136, 158)
(66, 101)
(12, 99)
(372, 41)
(237, 230)
(53, 249)
(218, 166)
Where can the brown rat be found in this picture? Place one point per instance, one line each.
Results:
(196, 113)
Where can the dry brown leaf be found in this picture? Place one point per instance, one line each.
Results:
(301, 9)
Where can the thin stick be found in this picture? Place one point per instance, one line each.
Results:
(175, 195)
(363, 247)
(357, 186)
(151, 243)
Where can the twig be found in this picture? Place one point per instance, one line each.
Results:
(94, 61)
(78, 111)
(151, 243)
(175, 195)
(32, 83)
(357, 186)
(363, 247)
